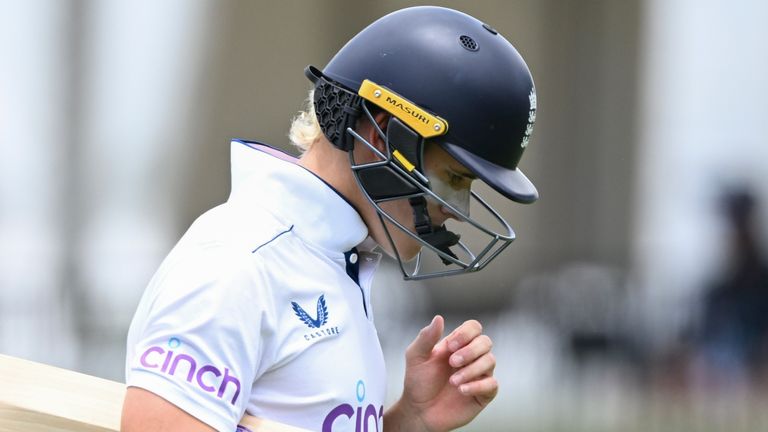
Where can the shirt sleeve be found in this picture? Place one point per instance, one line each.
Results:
(201, 343)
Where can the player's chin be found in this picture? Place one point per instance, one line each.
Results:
(410, 250)
(407, 248)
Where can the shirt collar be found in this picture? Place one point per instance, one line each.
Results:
(263, 177)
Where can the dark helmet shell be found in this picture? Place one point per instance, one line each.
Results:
(461, 70)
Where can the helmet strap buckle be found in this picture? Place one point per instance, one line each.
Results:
(439, 237)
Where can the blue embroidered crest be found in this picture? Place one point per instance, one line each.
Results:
(322, 314)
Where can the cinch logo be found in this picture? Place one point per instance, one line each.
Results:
(365, 418)
(322, 314)
(200, 375)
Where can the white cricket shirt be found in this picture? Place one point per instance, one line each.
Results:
(255, 309)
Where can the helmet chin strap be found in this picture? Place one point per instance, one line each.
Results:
(439, 237)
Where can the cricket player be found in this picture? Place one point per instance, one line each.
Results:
(263, 307)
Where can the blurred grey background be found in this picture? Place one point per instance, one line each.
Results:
(632, 299)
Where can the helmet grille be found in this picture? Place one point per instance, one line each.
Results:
(468, 43)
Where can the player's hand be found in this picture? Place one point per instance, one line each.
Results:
(447, 382)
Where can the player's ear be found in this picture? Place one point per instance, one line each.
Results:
(373, 137)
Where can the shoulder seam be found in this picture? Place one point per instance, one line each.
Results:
(272, 239)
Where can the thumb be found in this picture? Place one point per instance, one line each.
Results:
(421, 347)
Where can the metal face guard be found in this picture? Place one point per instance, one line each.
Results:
(440, 239)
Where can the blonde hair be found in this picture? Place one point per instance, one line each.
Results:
(305, 129)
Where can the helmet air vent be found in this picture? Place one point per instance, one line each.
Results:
(468, 43)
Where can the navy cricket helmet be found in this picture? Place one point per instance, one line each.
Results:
(443, 77)
(461, 70)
